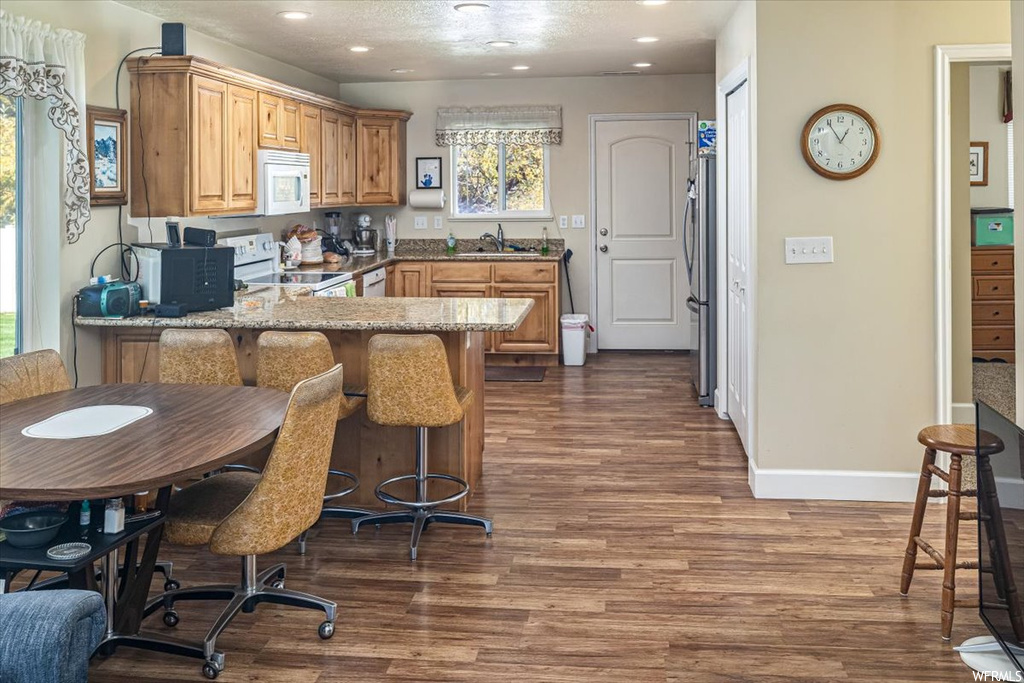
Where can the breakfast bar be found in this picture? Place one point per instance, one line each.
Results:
(370, 451)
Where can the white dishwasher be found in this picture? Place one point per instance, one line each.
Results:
(374, 282)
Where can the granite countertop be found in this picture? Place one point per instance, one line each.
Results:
(434, 250)
(287, 308)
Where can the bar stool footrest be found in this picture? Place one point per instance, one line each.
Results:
(344, 492)
(421, 504)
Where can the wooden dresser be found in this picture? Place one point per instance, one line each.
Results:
(992, 303)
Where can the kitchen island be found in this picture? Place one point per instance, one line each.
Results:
(374, 453)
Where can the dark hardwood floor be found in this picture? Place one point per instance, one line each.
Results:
(627, 548)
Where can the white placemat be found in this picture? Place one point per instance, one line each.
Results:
(88, 421)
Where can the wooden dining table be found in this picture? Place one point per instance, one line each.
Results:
(192, 430)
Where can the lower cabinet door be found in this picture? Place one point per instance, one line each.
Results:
(539, 331)
(411, 280)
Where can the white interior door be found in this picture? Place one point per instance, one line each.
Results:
(737, 174)
(641, 169)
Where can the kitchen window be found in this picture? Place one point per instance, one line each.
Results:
(501, 180)
(11, 175)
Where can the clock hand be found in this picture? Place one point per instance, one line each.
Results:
(845, 134)
(834, 132)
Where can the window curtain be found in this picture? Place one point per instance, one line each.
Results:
(490, 125)
(42, 63)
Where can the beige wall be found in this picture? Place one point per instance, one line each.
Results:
(569, 162)
(846, 365)
(112, 30)
(1017, 38)
(737, 40)
(987, 126)
(960, 76)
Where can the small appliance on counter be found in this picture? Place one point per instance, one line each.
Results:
(196, 278)
(366, 237)
(256, 264)
(110, 300)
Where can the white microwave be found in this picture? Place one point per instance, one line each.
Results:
(283, 182)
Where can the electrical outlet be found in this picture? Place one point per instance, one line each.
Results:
(578, 221)
(809, 250)
(563, 222)
(438, 222)
(420, 223)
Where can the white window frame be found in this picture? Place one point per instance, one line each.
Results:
(504, 215)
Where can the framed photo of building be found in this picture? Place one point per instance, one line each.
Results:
(107, 144)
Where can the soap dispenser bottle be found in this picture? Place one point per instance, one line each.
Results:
(451, 244)
(544, 241)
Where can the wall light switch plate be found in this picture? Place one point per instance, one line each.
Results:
(438, 222)
(563, 222)
(579, 221)
(420, 223)
(809, 250)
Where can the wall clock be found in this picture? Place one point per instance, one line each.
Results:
(840, 141)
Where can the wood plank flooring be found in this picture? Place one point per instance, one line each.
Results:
(627, 548)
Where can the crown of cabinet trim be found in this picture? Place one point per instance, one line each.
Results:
(204, 67)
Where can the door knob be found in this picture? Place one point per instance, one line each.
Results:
(603, 231)
(603, 248)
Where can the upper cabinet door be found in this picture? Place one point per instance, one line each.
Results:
(381, 167)
(348, 160)
(209, 140)
(279, 122)
(242, 123)
(309, 139)
(330, 164)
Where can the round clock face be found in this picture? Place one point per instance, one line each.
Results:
(840, 141)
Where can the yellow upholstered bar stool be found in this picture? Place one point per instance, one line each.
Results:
(959, 440)
(245, 514)
(285, 358)
(410, 385)
(28, 375)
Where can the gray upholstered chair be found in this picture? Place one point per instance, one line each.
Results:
(410, 385)
(245, 514)
(49, 636)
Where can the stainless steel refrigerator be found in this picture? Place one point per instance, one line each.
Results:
(699, 239)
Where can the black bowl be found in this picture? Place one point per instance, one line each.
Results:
(32, 529)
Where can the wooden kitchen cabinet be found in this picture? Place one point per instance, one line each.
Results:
(195, 127)
(380, 164)
(309, 142)
(389, 280)
(412, 279)
(279, 122)
(539, 332)
(442, 289)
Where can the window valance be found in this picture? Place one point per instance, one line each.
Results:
(48, 64)
(490, 125)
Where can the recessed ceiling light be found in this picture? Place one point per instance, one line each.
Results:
(646, 39)
(642, 65)
(520, 67)
(359, 48)
(501, 43)
(652, 3)
(294, 15)
(472, 7)
(490, 73)
(402, 71)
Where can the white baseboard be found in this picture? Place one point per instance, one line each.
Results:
(963, 413)
(889, 487)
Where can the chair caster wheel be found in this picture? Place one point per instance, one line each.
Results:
(210, 671)
(171, 585)
(326, 630)
(171, 618)
(278, 583)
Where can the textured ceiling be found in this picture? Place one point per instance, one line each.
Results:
(554, 37)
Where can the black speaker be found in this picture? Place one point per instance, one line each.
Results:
(172, 40)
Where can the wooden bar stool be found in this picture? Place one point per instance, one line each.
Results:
(957, 440)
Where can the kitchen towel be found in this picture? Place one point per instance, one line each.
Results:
(427, 199)
(88, 421)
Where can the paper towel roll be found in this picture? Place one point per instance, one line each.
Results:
(427, 199)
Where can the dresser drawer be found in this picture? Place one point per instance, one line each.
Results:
(998, 260)
(525, 272)
(993, 286)
(992, 337)
(992, 314)
(442, 271)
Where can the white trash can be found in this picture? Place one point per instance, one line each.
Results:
(574, 338)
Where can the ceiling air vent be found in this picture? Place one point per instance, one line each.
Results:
(620, 73)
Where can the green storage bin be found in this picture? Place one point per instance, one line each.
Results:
(993, 229)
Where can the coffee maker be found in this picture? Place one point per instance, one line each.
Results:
(366, 237)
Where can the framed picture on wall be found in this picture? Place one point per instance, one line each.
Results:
(979, 163)
(428, 173)
(107, 168)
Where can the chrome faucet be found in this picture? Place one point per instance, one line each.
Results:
(499, 241)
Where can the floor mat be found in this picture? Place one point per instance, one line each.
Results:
(513, 373)
(995, 384)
